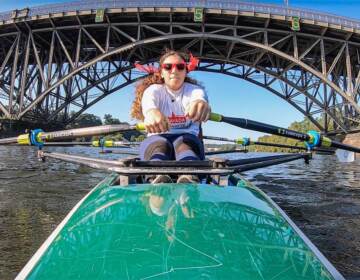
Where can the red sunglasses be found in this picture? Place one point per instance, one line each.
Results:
(171, 66)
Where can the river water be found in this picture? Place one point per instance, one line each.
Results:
(322, 198)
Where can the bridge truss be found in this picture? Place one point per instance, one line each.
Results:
(55, 66)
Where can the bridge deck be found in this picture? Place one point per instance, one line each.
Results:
(258, 9)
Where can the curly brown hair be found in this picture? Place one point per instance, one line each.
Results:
(155, 78)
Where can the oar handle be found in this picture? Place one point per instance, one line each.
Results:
(215, 117)
(140, 127)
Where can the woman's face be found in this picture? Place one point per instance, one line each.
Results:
(173, 71)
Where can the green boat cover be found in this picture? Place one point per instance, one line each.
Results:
(177, 231)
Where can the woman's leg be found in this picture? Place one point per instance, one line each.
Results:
(188, 147)
(156, 147)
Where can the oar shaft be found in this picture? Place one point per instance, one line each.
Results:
(248, 142)
(211, 153)
(266, 128)
(67, 144)
(219, 139)
(87, 131)
(340, 145)
(96, 143)
(111, 143)
(39, 136)
(11, 140)
(312, 138)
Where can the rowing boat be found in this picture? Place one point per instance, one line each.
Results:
(221, 228)
(177, 231)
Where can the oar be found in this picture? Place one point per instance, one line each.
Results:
(312, 138)
(245, 141)
(96, 143)
(207, 153)
(37, 137)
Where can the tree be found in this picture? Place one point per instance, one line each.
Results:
(108, 119)
(85, 120)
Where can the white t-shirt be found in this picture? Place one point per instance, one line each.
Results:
(174, 105)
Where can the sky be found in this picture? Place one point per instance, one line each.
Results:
(228, 96)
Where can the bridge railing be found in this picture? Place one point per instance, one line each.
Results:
(214, 4)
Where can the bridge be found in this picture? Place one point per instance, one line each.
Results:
(58, 60)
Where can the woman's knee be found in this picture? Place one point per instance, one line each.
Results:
(156, 148)
(188, 147)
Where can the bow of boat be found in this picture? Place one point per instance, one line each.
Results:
(179, 231)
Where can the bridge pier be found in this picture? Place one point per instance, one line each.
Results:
(354, 140)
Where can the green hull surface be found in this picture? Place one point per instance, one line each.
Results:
(177, 231)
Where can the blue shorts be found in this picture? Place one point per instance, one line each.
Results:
(172, 147)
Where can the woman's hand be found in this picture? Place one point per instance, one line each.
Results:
(199, 111)
(156, 122)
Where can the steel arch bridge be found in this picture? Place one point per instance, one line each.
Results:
(58, 60)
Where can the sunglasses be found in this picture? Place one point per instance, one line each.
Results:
(171, 66)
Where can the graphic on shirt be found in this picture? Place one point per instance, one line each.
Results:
(178, 121)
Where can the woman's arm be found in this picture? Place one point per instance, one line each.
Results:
(199, 109)
(156, 122)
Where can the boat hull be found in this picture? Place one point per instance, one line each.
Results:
(177, 231)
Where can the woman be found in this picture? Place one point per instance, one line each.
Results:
(172, 107)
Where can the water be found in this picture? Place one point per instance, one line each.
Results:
(322, 198)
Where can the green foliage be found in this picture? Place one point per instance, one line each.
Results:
(303, 126)
(277, 140)
(140, 138)
(115, 137)
(86, 120)
(108, 119)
